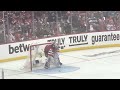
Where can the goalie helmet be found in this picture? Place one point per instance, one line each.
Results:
(54, 44)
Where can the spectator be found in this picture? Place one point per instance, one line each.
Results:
(2, 37)
(28, 25)
(110, 24)
(10, 38)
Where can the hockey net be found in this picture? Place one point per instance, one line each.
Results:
(36, 53)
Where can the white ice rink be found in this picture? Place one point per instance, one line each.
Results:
(103, 63)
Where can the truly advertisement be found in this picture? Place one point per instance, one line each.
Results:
(77, 40)
(69, 41)
(59, 41)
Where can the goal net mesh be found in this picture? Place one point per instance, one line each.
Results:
(36, 53)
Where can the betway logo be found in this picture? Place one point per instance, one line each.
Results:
(20, 48)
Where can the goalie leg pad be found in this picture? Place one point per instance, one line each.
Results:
(47, 63)
(57, 59)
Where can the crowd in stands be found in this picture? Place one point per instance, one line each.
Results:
(17, 26)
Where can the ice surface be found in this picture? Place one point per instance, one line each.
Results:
(103, 63)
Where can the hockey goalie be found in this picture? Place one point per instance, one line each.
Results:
(52, 54)
(43, 57)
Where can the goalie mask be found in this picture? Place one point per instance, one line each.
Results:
(54, 45)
